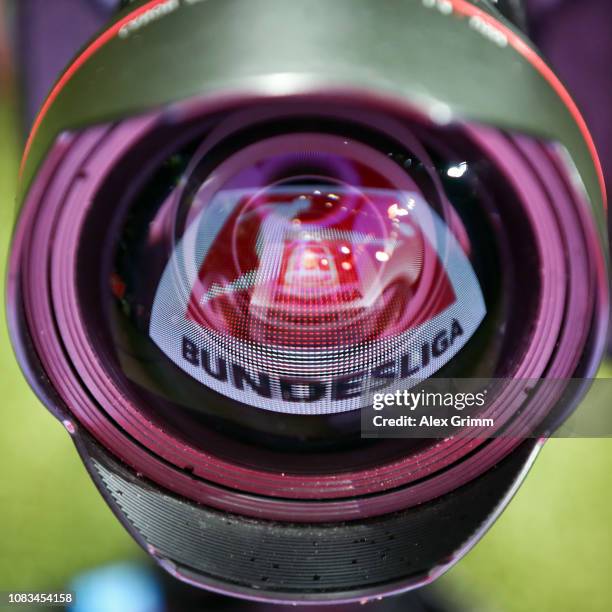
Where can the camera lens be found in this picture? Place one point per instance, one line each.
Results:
(241, 294)
(274, 270)
(210, 282)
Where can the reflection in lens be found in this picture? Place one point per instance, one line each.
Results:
(297, 306)
(271, 288)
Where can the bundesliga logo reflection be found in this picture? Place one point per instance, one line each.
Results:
(307, 296)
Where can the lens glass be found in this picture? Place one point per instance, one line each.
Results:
(271, 275)
(309, 272)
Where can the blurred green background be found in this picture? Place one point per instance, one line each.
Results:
(550, 551)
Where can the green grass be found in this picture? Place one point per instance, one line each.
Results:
(552, 548)
(550, 551)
